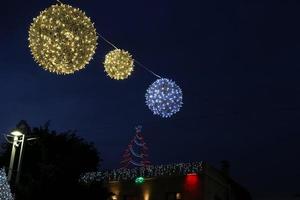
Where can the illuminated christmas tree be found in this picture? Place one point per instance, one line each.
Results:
(135, 154)
(5, 193)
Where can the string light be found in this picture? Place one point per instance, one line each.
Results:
(118, 64)
(5, 193)
(136, 153)
(125, 174)
(164, 97)
(62, 39)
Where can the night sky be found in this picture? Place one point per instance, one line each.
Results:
(237, 63)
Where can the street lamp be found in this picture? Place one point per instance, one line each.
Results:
(16, 133)
(18, 138)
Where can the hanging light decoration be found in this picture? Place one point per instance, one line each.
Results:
(118, 64)
(62, 39)
(140, 174)
(164, 97)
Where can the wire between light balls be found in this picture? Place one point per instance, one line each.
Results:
(164, 98)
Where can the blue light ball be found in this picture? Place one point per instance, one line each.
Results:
(164, 97)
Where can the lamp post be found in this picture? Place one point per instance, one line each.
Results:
(16, 142)
(20, 159)
(18, 139)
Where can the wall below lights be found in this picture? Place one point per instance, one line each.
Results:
(207, 184)
(155, 188)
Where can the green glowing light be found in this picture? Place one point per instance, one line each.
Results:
(139, 180)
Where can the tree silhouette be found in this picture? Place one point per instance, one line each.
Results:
(52, 165)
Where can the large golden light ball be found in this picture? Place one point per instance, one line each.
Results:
(62, 39)
(118, 64)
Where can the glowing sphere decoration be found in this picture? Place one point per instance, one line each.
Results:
(118, 64)
(164, 97)
(62, 39)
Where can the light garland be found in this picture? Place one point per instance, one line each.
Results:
(164, 97)
(5, 193)
(118, 64)
(62, 39)
(136, 152)
(124, 174)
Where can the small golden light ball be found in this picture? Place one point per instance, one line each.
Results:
(118, 64)
(62, 39)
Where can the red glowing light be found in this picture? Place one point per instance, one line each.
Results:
(192, 180)
(192, 186)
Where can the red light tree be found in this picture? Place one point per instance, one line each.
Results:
(136, 154)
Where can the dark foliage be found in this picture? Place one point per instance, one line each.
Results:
(52, 165)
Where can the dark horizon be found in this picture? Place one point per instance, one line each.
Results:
(236, 63)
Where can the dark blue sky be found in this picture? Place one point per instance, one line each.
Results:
(237, 63)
